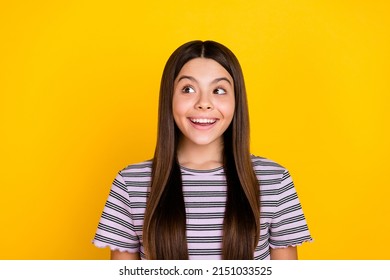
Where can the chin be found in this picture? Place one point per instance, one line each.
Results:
(204, 142)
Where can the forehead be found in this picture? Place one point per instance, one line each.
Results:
(204, 68)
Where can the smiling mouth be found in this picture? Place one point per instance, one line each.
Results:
(203, 121)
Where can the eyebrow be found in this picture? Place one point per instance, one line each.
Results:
(213, 82)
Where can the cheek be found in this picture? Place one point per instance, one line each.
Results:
(228, 109)
(178, 108)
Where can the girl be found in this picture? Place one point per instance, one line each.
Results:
(203, 195)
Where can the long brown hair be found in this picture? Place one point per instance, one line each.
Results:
(164, 231)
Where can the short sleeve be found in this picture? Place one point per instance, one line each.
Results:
(116, 228)
(288, 226)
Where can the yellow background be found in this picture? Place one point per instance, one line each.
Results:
(79, 83)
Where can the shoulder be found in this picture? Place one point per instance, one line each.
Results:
(140, 168)
(266, 166)
(136, 174)
(270, 174)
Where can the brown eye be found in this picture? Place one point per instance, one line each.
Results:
(188, 89)
(219, 91)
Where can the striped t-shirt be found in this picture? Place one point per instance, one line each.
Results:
(282, 222)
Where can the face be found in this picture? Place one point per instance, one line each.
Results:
(203, 102)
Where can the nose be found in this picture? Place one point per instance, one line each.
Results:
(204, 102)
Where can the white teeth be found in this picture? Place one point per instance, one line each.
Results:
(203, 120)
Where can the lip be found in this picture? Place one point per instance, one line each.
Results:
(202, 126)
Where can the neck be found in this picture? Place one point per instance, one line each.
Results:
(201, 157)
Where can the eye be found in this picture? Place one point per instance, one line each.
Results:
(219, 91)
(188, 89)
